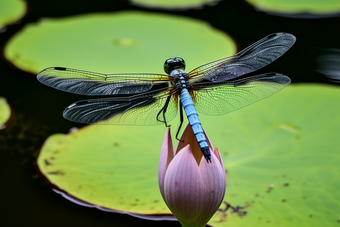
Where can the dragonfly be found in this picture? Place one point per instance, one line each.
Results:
(215, 88)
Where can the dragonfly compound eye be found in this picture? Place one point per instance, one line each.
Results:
(174, 63)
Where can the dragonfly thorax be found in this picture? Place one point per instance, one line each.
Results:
(174, 63)
(180, 79)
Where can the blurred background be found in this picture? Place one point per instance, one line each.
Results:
(27, 200)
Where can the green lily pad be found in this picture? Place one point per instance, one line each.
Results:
(11, 11)
(173, 4)
(281, 156)
(300, 8)
(103, 171)
(5, 112)
(126, 42)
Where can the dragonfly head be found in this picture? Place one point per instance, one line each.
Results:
(174, 63)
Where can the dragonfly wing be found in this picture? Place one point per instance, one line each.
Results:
(90, 83)
(140, 109)
(223, 97)
(248, 60)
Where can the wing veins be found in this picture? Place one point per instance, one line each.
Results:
(90, 83)
(250, 59)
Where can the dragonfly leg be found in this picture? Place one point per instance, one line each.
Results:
(181, 120)
(159, 114)
(164, 108)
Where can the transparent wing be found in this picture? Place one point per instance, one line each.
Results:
(224, 97)
(140, 109)
(252, 58)
(90, 83)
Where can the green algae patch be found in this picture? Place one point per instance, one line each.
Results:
(11, 11)
(126, 42)
(281, 156)
(293, 7)
(174, 4)
(5, 112)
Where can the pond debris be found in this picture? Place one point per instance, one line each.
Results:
(270, 188)
(236, 209)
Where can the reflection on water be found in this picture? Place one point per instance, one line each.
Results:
(173, 5)
(328, 64)
(83, 203)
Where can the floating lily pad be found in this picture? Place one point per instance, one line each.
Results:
(300, 8)
(173, 4)
(5, 112)
(117, 169)
(281, 156)
(126, 42)
(11, 11)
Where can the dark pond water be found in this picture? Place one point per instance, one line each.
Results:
(26, 200)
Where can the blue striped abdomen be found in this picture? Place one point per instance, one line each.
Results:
(195, 123)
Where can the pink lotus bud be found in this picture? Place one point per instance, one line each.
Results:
(192, 188)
